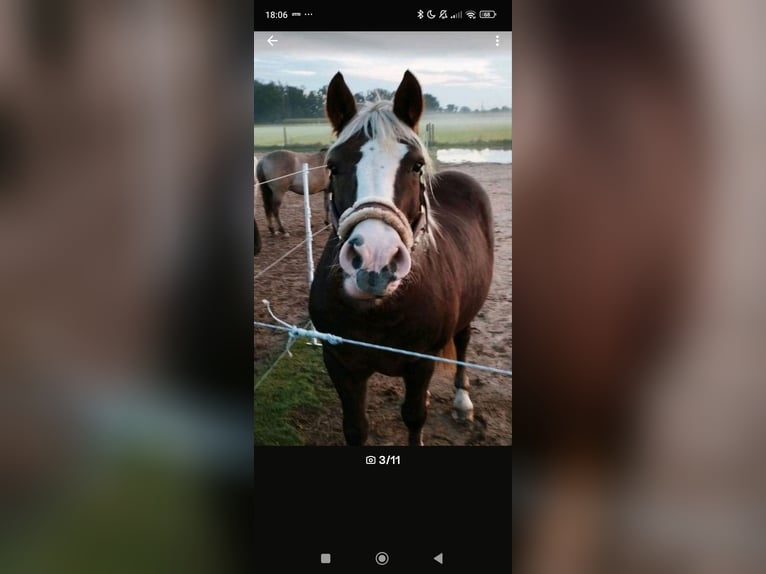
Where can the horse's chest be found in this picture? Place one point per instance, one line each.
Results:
(422, 332)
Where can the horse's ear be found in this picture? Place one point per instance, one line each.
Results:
(408, 101)
(341, 106)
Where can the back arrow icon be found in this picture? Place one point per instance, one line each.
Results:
(271, 40)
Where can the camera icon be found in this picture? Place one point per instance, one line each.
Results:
(369, 459)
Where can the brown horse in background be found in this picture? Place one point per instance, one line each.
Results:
(281, 170)
(256, 231)
(410, 262)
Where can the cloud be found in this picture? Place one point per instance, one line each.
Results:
(465, 69)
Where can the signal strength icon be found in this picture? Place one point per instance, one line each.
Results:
(457, 15)
(471, 14)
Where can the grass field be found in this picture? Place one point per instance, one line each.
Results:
(297, 387)
(488, 129)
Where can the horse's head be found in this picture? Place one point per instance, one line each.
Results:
(380, 173)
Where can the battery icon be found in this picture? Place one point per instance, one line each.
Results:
(487, 13)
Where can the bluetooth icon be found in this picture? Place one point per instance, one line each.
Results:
(420, 14)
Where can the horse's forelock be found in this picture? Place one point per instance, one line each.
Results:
(376, 120)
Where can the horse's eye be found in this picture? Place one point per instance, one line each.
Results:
(418, 166)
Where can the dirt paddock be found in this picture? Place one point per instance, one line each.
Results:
(285, 285)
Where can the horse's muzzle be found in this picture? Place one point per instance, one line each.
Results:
(374, 260)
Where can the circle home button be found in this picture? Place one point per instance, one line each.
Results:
(381, 558)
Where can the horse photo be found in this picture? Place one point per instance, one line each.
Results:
(281, 170)
(410, 262)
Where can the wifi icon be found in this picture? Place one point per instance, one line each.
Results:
(471, 14)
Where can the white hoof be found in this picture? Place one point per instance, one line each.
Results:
(463, 407)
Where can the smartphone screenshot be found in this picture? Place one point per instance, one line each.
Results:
(382, 289)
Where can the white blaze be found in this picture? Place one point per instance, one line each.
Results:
(376, 171)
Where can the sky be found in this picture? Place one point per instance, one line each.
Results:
(461, 68)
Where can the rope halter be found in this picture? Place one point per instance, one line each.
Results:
(383, 210)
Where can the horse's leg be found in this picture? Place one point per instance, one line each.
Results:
(276, 204)
(463, 407)
(267, 195)
(414, 411)
(280, 226)
(352, 391)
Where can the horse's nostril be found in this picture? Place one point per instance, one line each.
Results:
(400, 263)
(351, 257)
(355, 251)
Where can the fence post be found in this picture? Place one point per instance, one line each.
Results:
(307, 219)
(309, 238)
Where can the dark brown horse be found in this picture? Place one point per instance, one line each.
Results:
(411, 261)
(279, 171)
(256, 231)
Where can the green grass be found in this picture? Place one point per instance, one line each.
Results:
(468, 130)
(490, 129)
(294, 136)
(297, 384)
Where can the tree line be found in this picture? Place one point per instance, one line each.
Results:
(276, 102)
